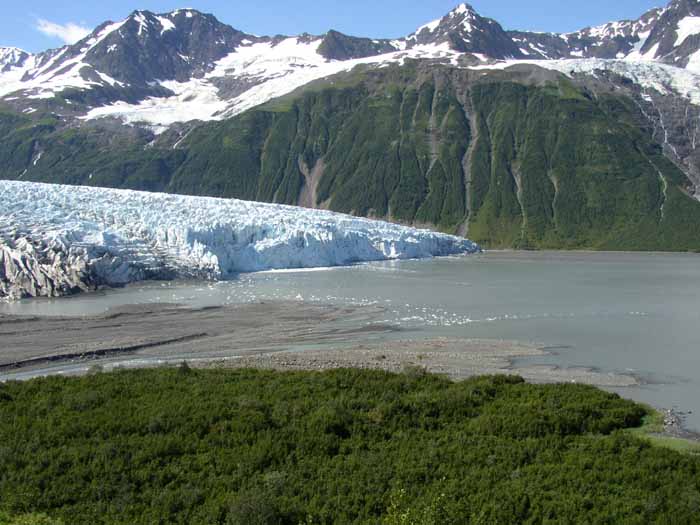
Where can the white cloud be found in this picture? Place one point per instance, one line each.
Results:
(70, 33)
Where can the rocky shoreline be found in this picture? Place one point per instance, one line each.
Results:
(674, 425)
(455, 358)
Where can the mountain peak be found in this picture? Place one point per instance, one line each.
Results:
(683, 4)
(464, 15)
(145, 16)
(185, 11)
(464, 30)
(460, 14)
(11, 57)
(463, 9)
(140, 12)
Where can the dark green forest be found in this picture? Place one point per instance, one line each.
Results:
(179, 445)
(509, 163)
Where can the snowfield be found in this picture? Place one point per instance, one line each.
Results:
(648, 75)
(278, 70)
(56, 240)
(273, 70)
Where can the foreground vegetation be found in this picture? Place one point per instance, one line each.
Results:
(348, 446)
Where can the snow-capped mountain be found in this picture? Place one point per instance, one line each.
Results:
(58, 239)
(387, 128)
(614, 40)
(670, 35)
(145, 47)
(465, 31)
(675, 37)
(12, 57)
(137, 53)
(162, 69)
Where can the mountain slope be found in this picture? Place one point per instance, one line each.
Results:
(507, 163)
(461, 125)
(507, 159)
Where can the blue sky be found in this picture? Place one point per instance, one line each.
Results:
(60, 19)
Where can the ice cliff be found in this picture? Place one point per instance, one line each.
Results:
(56, 240)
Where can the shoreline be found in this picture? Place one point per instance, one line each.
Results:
(455, 358)
(583, 251)
(284, 336)
(6, 300)
(266, 334)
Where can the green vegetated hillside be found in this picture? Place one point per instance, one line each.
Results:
(510, 163)
(347, 446)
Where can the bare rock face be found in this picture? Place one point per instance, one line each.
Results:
(676, 126)
(30, 268)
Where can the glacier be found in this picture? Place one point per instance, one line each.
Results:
(57, 240)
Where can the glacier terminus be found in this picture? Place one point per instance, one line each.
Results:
(57, 240)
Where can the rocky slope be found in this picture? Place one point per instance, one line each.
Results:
(670, 35)
(11, 57)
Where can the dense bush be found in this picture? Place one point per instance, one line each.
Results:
(189, 446)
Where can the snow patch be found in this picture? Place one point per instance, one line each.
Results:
(272, 70)
(196, 99)
(688, 26)
(651, 54)
(142, 21)
(166, 24)
(694, 62)
(649, 75)
(430, 27)
(636, 53)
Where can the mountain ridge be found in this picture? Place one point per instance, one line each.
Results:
(135, 59)
(180, 102)
(464, 23)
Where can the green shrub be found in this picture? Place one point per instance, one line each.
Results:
(344, 446)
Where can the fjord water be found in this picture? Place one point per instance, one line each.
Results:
(618, 312)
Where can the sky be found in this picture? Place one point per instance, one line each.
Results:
(37, 25)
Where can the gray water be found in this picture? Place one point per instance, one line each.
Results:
(618, 312)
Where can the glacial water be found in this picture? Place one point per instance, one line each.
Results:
(617, 312)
